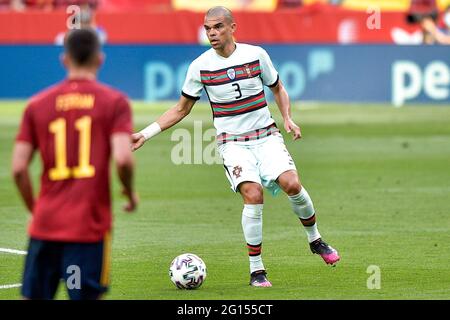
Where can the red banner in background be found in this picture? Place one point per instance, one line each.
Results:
(309, 24)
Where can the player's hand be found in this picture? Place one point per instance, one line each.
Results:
(132, 203)
(290, 126)
(429, 26)
(137, 141)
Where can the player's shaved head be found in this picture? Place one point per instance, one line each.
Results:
(82, 46)
(220, 11)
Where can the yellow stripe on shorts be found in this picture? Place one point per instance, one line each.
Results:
(106, 263)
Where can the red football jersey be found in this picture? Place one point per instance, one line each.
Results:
(71, 125)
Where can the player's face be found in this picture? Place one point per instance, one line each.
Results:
(219, 31)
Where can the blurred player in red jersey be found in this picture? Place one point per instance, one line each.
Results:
(77, 125)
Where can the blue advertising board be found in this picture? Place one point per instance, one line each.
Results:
(352, 73)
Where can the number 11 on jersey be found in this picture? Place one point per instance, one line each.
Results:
(84, 169)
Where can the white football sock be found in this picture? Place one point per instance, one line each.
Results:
(252, 227)
(303, 207)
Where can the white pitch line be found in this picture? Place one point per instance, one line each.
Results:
(6, 250)
(10, 286)
(20, 252)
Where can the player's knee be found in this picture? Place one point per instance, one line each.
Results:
(252, 193)
(292, 187)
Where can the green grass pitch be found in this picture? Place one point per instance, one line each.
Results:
(379, 178)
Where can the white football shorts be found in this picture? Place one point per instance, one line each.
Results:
(261, 161)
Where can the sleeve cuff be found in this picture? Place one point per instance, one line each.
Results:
(26, 140)
(189, 97)
(275, 83)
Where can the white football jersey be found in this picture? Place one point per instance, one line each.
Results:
(234, 86)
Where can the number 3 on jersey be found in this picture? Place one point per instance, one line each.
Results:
(84, 169)
(238, 90)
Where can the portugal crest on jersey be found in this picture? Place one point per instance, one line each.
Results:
(247, 69)
(237, 171)
(231, 73)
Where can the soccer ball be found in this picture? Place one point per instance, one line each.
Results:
(187, 271)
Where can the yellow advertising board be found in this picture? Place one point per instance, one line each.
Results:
(238, 5)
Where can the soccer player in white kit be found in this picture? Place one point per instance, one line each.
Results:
(251, 145)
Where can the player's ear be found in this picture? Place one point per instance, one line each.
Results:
(64, 60)
(233, 27)
(101, 59)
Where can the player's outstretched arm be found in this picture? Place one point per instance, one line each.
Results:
(429, 25)
(125, 167)
(22, 155)
(170, 118)
(283, 103)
